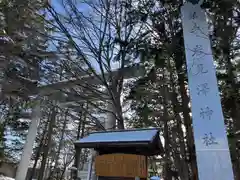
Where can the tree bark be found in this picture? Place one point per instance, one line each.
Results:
(48, 144)
(2, 141)
(183, 171)
(188, 126)
(226, 45)
(80, 134)
(52, 172)
(235, 114)
(167, 162)
(39, 150)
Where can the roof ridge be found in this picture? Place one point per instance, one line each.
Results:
(125, 130)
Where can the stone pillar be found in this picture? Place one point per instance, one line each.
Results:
(28, 147)
(212, 150)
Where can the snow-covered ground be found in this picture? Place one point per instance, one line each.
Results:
(5, 178)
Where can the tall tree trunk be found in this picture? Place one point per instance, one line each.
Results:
(167, 158)
(80, 151)
(233, 91)
(178, 54)
(80, 134)
(2, 141)
(188, 125)
(52, 172)
(183, 171)
(39, 150)
(235, 114)
(120, 120)
(167, 165)
(48, 144)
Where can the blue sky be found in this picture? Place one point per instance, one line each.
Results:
(57, 4)
(86, 9)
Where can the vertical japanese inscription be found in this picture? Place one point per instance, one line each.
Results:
(196, 28)
(193, 15)
(209, 134)
(197, 68)
(198, 52)
(206, 113)
(209, 139)
(203, 89)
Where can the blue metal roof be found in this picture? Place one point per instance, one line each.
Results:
(120, 136)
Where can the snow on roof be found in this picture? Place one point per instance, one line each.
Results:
(155, 178)
(120, 136)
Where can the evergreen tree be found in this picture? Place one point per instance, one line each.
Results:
(24, 47)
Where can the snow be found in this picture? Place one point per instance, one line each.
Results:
(120, 136)
(155, 178)
(27, 79)
(5, 178)
(238, 132)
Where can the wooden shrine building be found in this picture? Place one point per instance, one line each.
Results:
(122, 154)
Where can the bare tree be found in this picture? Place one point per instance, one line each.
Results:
(96, 43)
